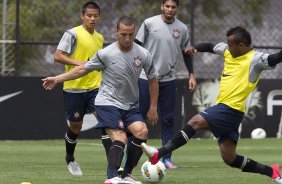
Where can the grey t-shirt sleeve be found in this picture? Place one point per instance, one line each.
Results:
(68, 42)
(149, 67)
(142, 33)
(185, 42)
(95, 63)
(258, 64)
(220, 48)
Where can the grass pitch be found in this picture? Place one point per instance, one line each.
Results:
(42, 162)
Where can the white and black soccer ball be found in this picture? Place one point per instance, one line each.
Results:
(258, 133)
(153, 173)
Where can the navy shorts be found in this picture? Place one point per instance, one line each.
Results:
(224, 121)
(79, 104)
(114, 118)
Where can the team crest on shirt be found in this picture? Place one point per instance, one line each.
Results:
(137, 62)
(120, 124)
(176, 33)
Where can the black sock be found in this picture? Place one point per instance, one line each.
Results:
(178, 140)
(114, 158)
(249, 165)
(70, 141)
(134, 153)
(106, 141)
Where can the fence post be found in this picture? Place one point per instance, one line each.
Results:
(192, 21)
(17, 49)
(3, 68)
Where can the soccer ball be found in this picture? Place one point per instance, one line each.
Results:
(258, 133)
(153, 173)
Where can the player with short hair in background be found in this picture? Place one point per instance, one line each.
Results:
(240, 76)
(165, 37)
(78, 45)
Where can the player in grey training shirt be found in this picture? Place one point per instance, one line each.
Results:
(121, 71)
(165, 37)
(117, 100)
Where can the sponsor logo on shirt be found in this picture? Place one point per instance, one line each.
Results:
(205, 112)
(155, 30)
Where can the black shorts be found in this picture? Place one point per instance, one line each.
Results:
(224, 121)
(79, 104)
(114, 118)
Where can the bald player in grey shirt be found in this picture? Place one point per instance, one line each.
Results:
(121, 71)
(117, 101)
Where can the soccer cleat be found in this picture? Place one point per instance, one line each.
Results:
(151, 152)
(131, 179)
(168, 164)
(276, 174)
(116, 180)
(74, 168)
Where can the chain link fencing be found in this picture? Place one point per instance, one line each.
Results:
(39, 25)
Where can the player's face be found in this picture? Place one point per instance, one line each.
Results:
(234, 48)
(169, 9)
(90, 19)
(125, 37)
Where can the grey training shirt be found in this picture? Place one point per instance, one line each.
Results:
(165, 42)
(120, 73)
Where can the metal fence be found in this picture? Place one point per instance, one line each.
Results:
(31, 30)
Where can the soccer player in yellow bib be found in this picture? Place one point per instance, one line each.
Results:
(242, 67)
(77, 46)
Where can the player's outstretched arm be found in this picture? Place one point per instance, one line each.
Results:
(204, 47)
(201, 47)
(50, 82)
(274, 59)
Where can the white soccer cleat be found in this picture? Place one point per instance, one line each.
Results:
(278, 180)
(131, 179)
(116, 180)
(74, 168)
(151, 152)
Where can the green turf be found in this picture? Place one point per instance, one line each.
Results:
(42, 162)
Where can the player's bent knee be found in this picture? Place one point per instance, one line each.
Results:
(228, 160)
(197, 122)
(76, 130)
(75, 127)
(142, 133)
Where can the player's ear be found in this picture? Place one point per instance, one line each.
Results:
(81, 16)
(116, 32)
(162, 7)
(241, 44)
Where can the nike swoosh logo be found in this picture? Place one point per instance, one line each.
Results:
(205, 112)
(6, 97)
(225, 75)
